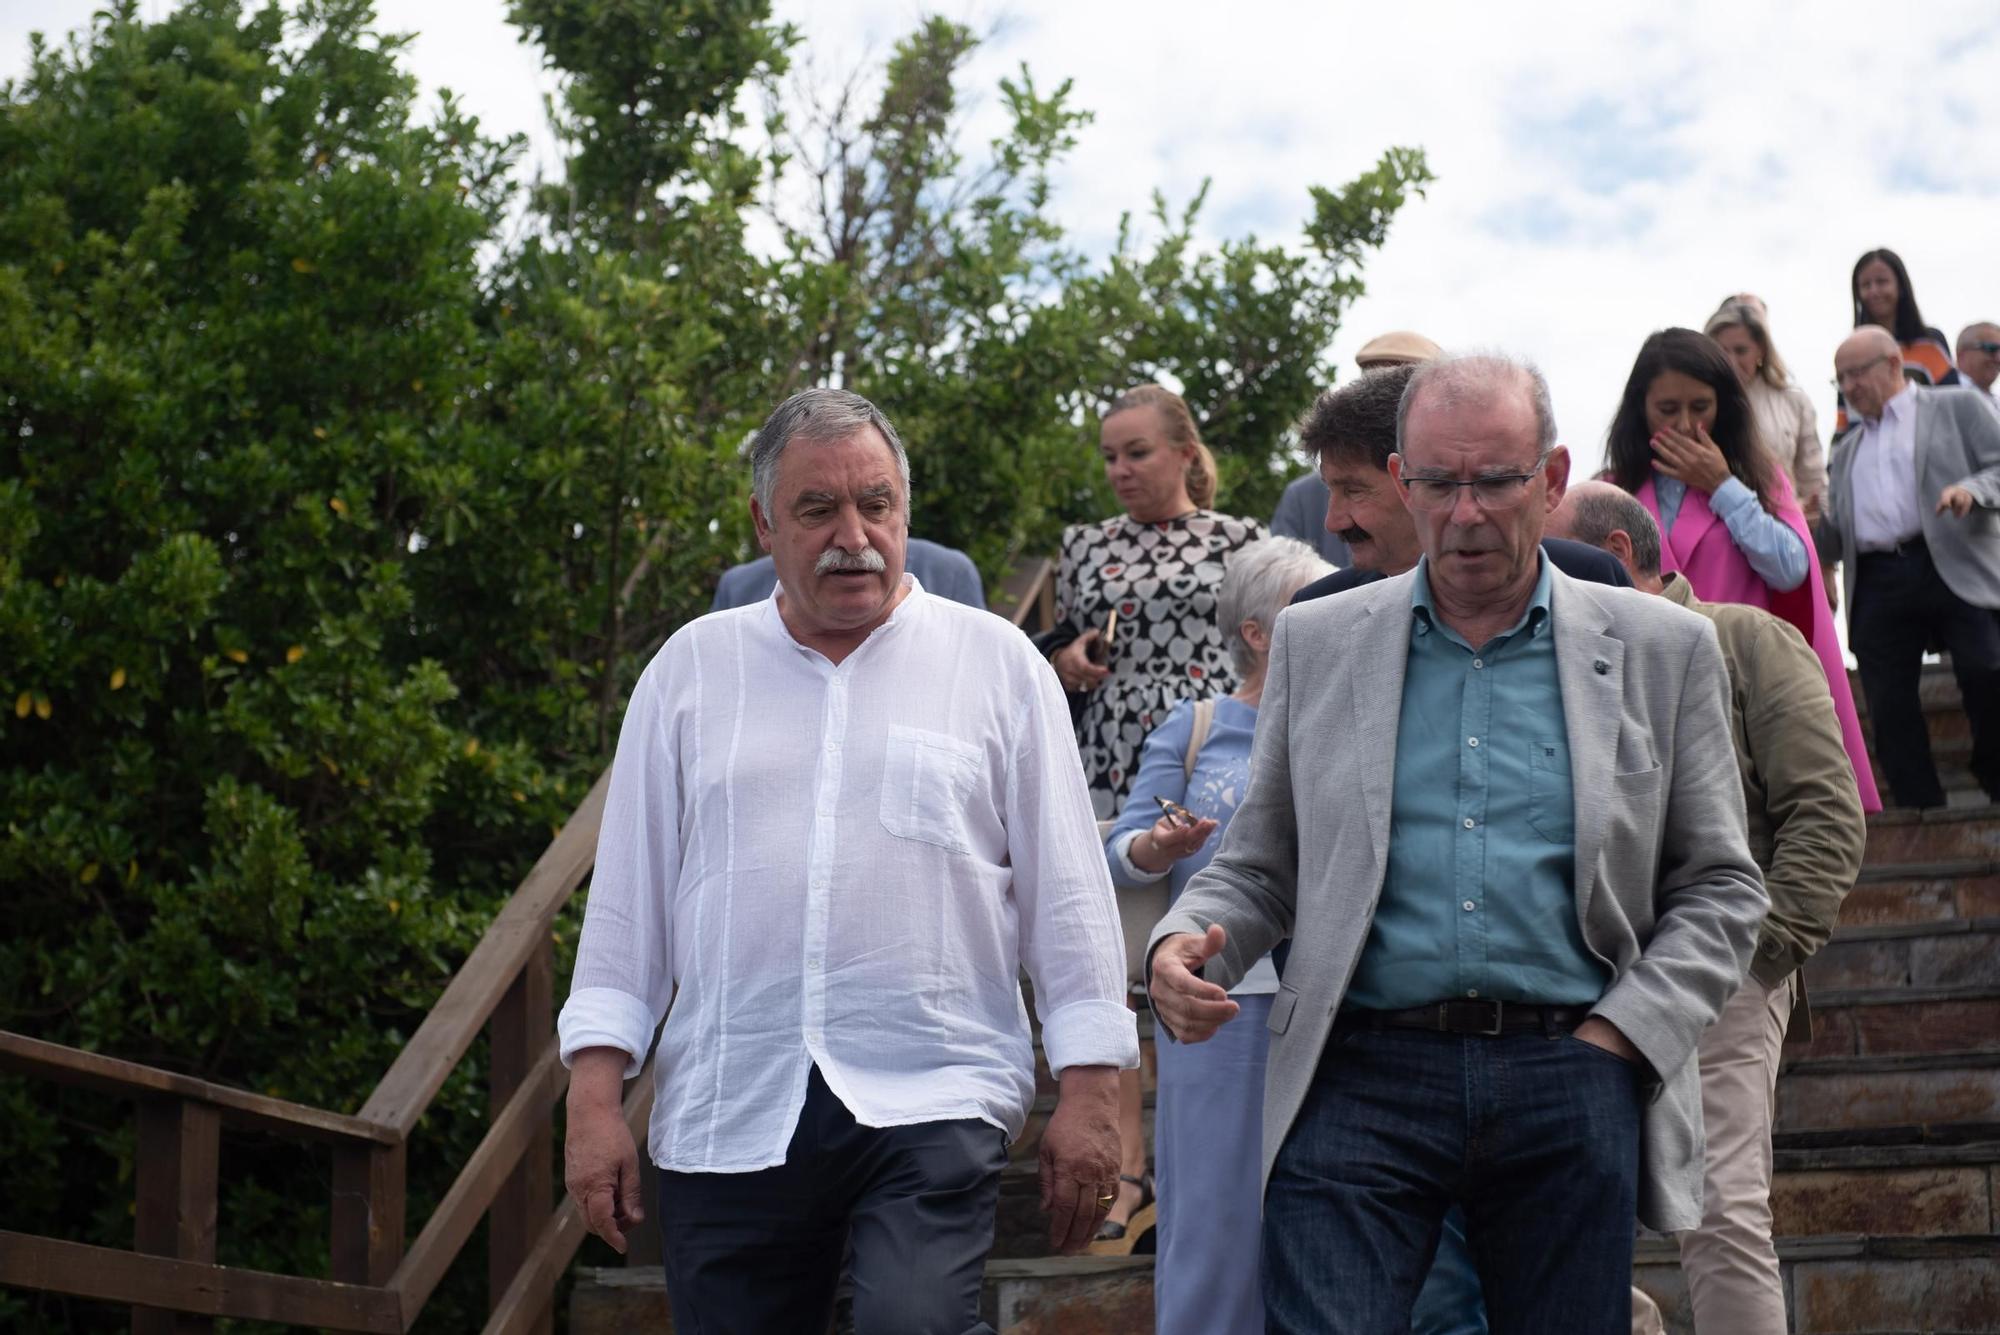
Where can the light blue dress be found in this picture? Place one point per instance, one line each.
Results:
(1208, 1118)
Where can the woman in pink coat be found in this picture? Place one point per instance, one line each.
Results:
(1685, 444)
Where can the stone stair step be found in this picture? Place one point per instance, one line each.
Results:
(1071, 1295)
(1904, 1020)
(1940, 834)
(1959, 952)
(1857, 1285)
(1964, 896)
(1904, 1094)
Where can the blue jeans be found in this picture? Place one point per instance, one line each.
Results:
(1536, 1136)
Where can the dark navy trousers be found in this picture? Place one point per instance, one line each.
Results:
(760, 1253)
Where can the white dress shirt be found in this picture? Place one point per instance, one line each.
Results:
(846, 866)
(1885, 477)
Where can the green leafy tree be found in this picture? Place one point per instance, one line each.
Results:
(248, 828)
(335, 525)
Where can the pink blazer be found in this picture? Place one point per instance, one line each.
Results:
(1701, 549)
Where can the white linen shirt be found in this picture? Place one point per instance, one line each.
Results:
(1885, 477)
(846, 866)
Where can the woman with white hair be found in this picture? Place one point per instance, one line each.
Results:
(1208, 1118)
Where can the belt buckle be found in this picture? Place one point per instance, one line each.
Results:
(1491, 1007)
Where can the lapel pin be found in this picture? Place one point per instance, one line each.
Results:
(1601, 667)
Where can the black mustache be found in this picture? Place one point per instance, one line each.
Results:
(1352, 534)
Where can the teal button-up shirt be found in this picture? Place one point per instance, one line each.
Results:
(1478, 898)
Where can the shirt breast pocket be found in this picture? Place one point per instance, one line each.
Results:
(927, 780)
(1551, 798)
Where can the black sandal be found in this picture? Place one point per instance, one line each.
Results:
(1116, 1239)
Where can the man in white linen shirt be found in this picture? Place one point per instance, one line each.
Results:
(839, 823)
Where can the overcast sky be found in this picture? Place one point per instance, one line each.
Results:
(1603, 170)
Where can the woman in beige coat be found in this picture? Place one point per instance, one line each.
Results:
(1786, 422)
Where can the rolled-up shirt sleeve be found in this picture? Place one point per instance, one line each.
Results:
(1070, 941)
(624, 961)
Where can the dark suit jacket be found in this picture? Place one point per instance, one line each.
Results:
(1575, 559)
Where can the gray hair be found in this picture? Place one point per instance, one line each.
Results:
(1976, 332)
(1471, 378)
(1596, 511)
(1258, 579)
(819, 415)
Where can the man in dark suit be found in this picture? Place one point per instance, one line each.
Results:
(1351, 431)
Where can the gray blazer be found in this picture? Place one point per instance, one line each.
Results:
(1667, 893)
(1958, 444)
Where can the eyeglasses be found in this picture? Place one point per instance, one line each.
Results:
(1501, 491)
(1841, 375)
(1990, 349)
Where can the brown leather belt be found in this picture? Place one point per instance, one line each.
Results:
(1486, 1018)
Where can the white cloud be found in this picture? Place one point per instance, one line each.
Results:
(1603, 171)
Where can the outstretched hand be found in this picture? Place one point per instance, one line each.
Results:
(1187, 1003)
(1957, 500)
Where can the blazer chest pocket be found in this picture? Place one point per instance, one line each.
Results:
(927, 781)
(1551, 798)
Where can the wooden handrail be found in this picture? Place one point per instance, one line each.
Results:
(108, 1275)
(425, 1062)
(239, 1107)
(479, 1182)
(1029, 589)
(562, 1234)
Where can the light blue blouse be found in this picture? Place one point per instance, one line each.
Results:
(1221, 772)
(1771, 546)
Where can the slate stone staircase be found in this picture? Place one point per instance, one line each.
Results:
(1887, 1191)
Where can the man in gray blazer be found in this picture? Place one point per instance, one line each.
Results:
(1913, 509)
(1497, 811)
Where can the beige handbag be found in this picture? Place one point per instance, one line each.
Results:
(1140, 909)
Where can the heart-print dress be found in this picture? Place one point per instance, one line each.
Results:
(1163, 579)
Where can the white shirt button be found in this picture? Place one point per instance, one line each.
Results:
(1469, 822)
(1472, 992)
(813, 965)
(1470, 906)
(1472, 741)
(1479, 662)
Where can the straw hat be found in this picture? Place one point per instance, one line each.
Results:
(1398, 348)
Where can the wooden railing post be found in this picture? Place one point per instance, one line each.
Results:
(179, 1157)
(368, 1184)
(518, 1033)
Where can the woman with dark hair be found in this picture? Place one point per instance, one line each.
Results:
(1684, 443)
(1882, 295)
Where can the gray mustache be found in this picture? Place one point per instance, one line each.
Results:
(834, 560)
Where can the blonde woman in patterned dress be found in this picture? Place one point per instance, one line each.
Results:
(1160, 566)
